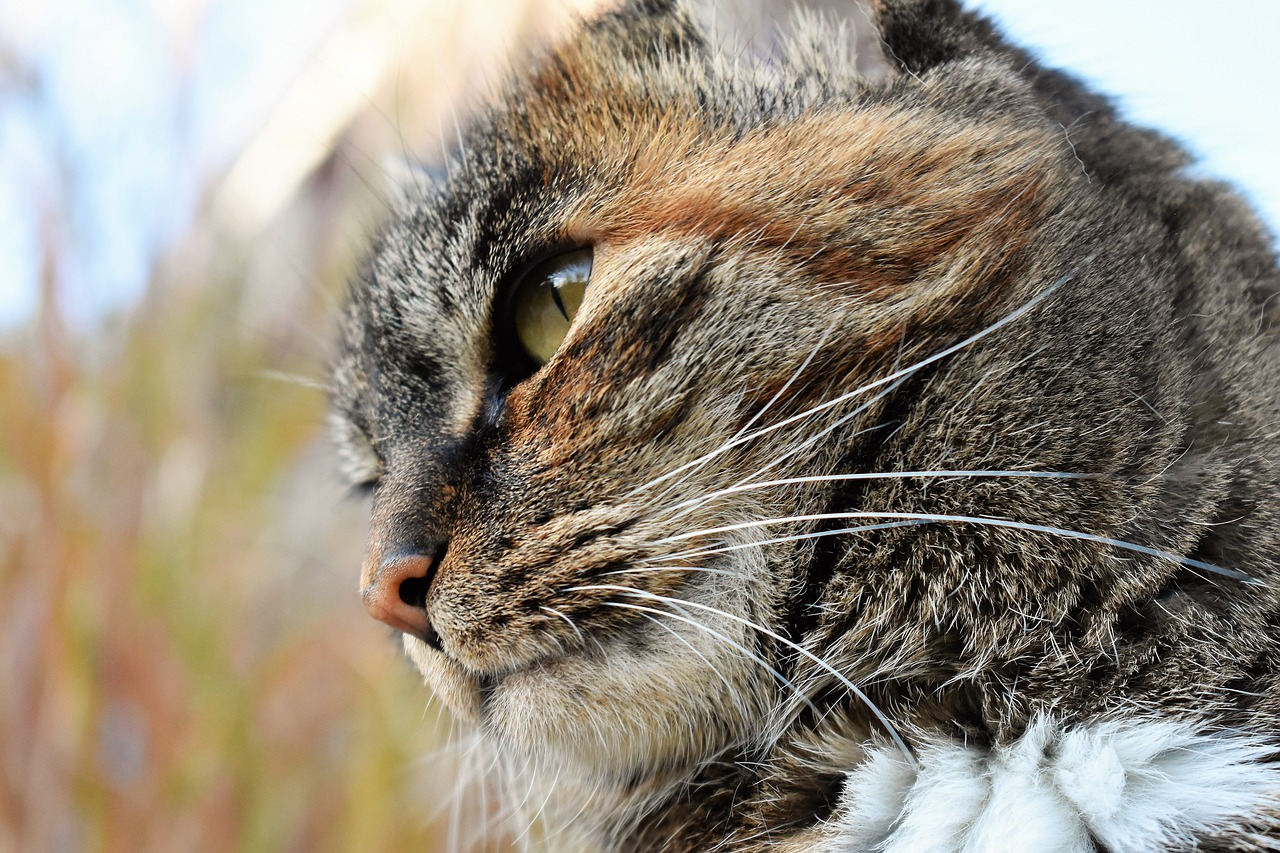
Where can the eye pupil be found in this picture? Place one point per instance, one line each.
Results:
(559, 300)
(545, 301)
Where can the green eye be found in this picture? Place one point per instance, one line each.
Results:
(546, 301)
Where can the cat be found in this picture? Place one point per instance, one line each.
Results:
(829, 432)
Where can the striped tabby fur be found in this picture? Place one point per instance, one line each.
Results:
(909, 479)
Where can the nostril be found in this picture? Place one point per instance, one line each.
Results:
(413, 591)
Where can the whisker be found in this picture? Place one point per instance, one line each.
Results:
(653, 569)
(525, 836)
(816, 437)
(805, 443)
(454, 831)
(732, 691)
(298, 380)
(883, 475)
(811, 440)
(563, 825)
(572, 625)
(520, 810)
(797, 537)
(971, 519)
(794, 376)
(782, 679)
(849, 685)
(1012, 316)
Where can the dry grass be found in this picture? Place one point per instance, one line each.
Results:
(185, 662)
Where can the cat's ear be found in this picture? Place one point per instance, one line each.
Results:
(917, 35)
(888, 36)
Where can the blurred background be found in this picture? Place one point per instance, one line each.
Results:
(185, 188)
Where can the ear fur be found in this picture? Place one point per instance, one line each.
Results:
(921, 34)
(888, 35)
(913, 39)
(761, 31)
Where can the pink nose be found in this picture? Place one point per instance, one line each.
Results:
(397, 594)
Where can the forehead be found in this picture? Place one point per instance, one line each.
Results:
(606, 142)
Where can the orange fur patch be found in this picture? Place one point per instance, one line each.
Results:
(865, 199)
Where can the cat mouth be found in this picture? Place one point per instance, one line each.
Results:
(491, 672)
(468, 693)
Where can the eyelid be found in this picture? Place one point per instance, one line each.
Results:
(364, 489)
(359, 462)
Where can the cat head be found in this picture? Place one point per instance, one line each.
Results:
(850, 290)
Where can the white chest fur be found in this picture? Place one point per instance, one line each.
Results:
(1134, 785)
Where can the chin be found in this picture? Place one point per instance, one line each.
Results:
(623, 713)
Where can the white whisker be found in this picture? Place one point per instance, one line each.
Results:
(794, 376)
(971, 519)
(782, 679)
(902, 373)
(849, 685)
(298, 380)
(732, 691)
(797, 537)
(572, 625)
(811, 440)
(524, 836)
(884, 475)
(656, 569)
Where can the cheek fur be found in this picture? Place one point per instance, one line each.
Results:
(643, 705)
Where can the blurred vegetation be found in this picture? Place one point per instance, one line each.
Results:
(185, 662)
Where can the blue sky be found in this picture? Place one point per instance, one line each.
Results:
(109, 140)
(1204, 72)
(116, 123)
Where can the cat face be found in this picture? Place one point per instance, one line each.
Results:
(837, 322)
